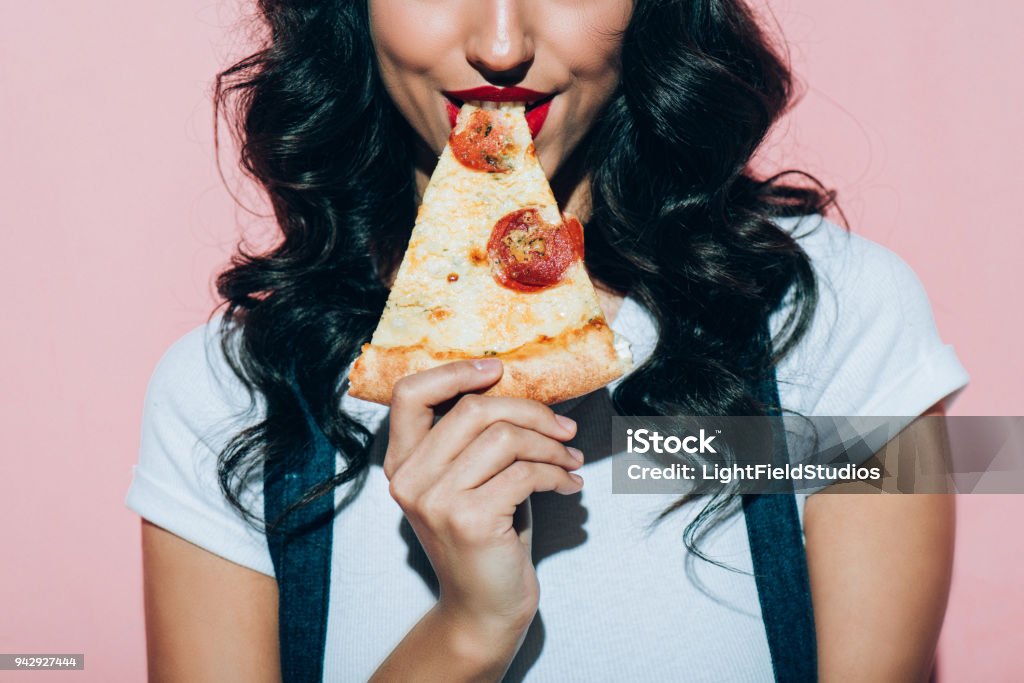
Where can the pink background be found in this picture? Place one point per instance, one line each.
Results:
(115, 221)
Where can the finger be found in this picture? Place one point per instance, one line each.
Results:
(514, 484)
(471, 416)
(415, 396)
(498, 447)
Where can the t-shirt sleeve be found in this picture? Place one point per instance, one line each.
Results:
(873, 348)
(193, 406)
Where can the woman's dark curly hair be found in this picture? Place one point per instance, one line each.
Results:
(679, 220)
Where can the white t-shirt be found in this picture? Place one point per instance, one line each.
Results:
(618, 601)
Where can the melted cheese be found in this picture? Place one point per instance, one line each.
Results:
(444, 295)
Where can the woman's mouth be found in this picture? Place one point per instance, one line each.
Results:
(536, 112)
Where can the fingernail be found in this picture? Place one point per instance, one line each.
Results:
(576, 453)
(568, 424)
(577, 478)
(487, 364)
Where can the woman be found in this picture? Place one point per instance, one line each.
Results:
(657, 108)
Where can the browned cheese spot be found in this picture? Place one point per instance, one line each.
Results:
(477, 256)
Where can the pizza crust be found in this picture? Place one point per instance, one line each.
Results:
(549, 370)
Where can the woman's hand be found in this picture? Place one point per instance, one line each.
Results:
(464, 485)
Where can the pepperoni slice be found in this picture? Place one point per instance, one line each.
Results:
(485, 144)
(528, 254)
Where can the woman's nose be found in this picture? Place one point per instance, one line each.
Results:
(499, 45)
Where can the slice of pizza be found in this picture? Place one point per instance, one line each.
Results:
(493, 269)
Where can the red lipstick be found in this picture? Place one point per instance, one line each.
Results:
(537, 103)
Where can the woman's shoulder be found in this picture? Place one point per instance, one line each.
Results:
(839, 255)
(194, 373)
(873, 347)
(863, 286)
(194, 366)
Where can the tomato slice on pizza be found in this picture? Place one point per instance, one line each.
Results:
(493, 269)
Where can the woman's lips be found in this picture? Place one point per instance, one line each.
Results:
(453, 111)
(534, 117)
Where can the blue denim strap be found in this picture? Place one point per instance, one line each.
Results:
(780, 565)
(301, 553)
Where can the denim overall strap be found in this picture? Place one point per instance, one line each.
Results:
(302, 557)
(780, 565)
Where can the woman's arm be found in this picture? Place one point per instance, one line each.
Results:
(880, 568)
(464, 484)
(443, 646)
(207, 619)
